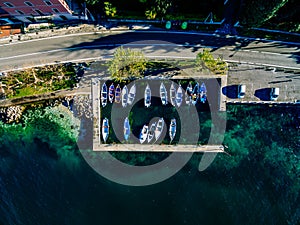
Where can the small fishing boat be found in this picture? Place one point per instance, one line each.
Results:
(173, 94)
(104, 95)
(151, 132)
(144, 134)
(124, 96)
(147, 96)
(203, 93)
(163, 94)
(188, 94)
(118, 94)
(111, 93)
(131, 94)
(105, 129)
(179, 94)
(126, 129)
(195, 94)
(172, 129)
(159, 128)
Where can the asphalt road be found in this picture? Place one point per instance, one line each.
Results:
(158, 43)
(255, 55)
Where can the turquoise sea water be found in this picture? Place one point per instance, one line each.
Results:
(44, 179)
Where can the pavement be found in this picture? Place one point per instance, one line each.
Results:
(256, 63)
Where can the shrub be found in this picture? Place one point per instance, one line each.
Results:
(127, 64)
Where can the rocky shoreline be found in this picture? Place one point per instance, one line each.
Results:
(79, 105)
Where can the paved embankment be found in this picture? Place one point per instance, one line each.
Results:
(259, 81)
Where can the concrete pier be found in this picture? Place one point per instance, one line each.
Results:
(157, 148)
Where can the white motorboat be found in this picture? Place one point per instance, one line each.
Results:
(173, 94)
(151, 132)
(104, 95)
(159, 128)
(172, 129)
(131, 95)
(147, 96)
(105, 129)
(126, 129)
(163, 94)
(124, 96)
(179, 94)
(144, 134)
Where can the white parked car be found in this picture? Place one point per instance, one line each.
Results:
(241, 91)
(274, 93)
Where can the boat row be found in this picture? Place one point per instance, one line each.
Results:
(117, 95)
(152, 132)
(149, 133)
(192, 95)
(126, 97)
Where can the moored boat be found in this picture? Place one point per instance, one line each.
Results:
(126, 129)
(104, 95)
(179, 94)
(195, 94)
(111, 93)
(188, 94)
(131, 94)
(105, 129)
(118, 94)
(144, 134)
(163, 94)
(147, 101)
(203, 93)
(172, 129)
(151, 132)
(124, 96)
(159, 128)
(173, 94)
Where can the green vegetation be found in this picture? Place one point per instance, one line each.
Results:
(109, 9)
(127, 64)
(157, 8)
(205, 60)
(256, 13)
(278, 14)
(40, 80)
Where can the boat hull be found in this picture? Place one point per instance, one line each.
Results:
(147, 101)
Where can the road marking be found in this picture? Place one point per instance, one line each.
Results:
(152, 31)
(145, 45)
(107, 57)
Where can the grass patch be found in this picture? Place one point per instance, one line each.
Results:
(27, 91)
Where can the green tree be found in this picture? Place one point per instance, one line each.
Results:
(151, 13)
(157, 7)
(127, 64)
(255, 13)
(109, 9)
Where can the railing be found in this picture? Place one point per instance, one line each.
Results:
(66, 6)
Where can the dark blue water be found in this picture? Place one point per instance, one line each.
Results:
(44, 180)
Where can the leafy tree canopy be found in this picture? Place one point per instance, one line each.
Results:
(127, 64)
(255, 13)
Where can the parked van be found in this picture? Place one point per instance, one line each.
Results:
(274, 94)
(241, 91)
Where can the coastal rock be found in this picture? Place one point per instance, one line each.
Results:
(11, 114)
